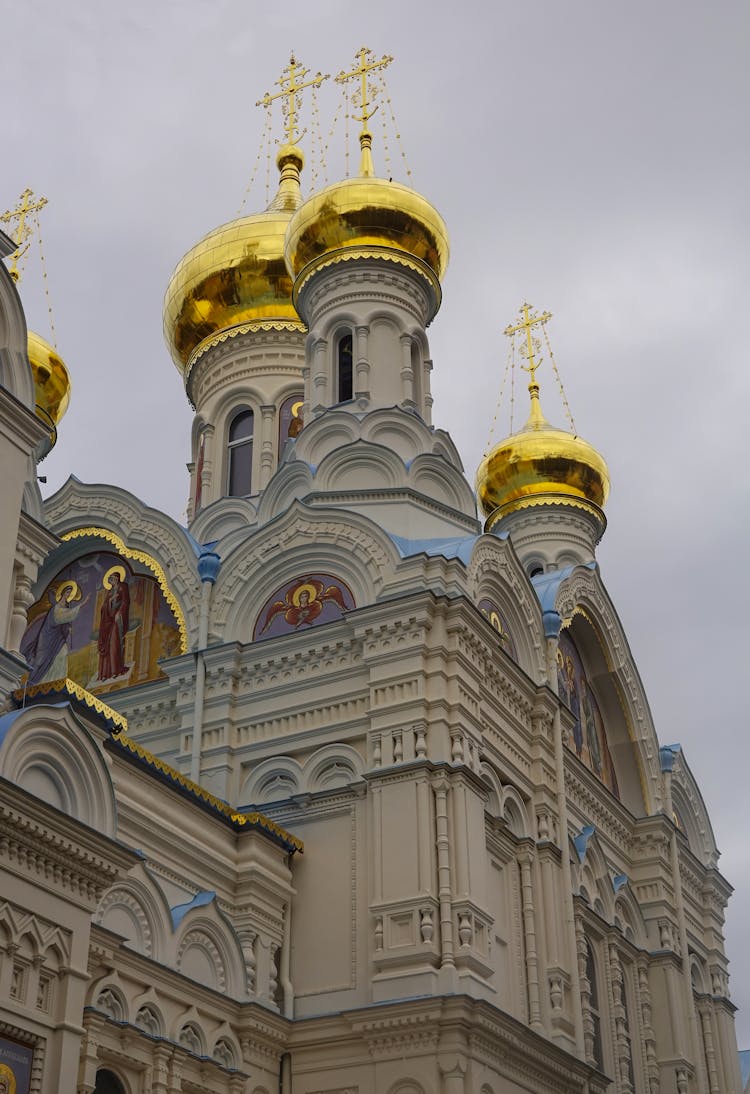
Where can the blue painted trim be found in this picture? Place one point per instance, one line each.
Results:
(200, 900)
(667, 756)
(581, 841)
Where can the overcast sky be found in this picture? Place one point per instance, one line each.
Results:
(588, 155)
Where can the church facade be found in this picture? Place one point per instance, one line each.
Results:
(342, 789)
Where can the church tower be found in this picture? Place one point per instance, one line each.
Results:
(543, 486)
(236, 337)
(366, 256)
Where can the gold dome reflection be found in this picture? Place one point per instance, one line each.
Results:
(236, 274)
(540, 464)
(51, 382)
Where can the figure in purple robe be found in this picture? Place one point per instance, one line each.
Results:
(48, 641)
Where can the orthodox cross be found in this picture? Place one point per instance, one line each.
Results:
(367, 63)
(527, 324)
(292, 82)
(23, 230)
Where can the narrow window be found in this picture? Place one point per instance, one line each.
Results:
(344, 370)
(595, 1013)
(240, 455)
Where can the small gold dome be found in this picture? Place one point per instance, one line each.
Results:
(51, 383)
(538, 465)
(366, 216)
(236, 274)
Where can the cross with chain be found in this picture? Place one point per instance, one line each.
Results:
(291, 84)
(23, 230)
(527, 324)
(367, 63)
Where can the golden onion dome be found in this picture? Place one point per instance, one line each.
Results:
(51, 383)
(541, 465)
(367, 217)
(236, 274)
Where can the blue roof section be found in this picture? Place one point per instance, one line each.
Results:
(460, 547)
(200, 900)
(546, 586)
(745, 1066)
(7, 720)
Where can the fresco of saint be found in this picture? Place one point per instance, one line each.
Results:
(113, 624)
(491, 611)
(589, 733)
(7, 1080)
(49, 640)
(102, 624)
(304, 602)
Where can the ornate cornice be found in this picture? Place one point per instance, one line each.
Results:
(62, 853)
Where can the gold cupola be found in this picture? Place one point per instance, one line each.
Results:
(51, 385)
(235, 278)
(367, 217)
(540, 465)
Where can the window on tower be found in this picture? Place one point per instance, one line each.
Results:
(344, 368)
(240, 455)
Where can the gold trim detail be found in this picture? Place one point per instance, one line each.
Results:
(198, 791)
(349, 253)
(535, 500)
(147, 560)
(70, 687)
(233, 332)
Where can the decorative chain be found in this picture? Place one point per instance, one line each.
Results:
(564, 397)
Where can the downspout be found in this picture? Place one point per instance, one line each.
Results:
(208, 570)
(284, 963)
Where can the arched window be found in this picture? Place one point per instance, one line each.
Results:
(594, 1005)
(240, 455)
(108, 1083)
(344, 368)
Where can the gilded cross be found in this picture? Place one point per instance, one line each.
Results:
(527, 324)
(367, 63)
(23, 230)
(292, 82)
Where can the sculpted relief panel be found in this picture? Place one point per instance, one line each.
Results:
(101, 623)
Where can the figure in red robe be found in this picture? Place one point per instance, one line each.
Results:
(113, 626)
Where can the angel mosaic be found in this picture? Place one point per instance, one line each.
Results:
(304, 602)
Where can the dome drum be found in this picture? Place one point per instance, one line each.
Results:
(367, 217)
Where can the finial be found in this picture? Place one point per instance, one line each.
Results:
(530, 350)
(23, 231)
(367, 63)
(292, 82)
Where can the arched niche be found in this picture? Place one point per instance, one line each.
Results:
(601, 736)
(498, 583)
(107, 1082)
(46, 750)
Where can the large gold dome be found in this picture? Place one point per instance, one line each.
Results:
(51, 383)
(236, 274)
(540, 464)
(365, 217)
